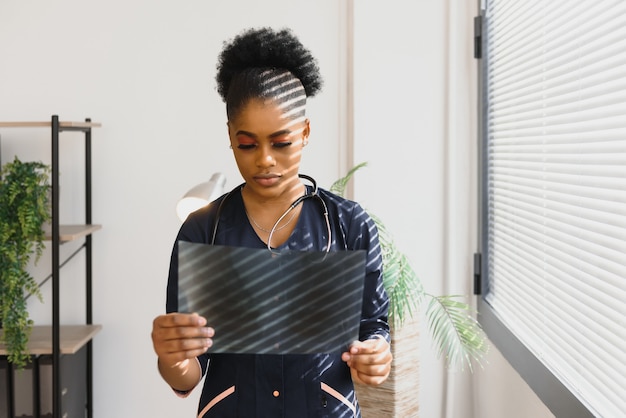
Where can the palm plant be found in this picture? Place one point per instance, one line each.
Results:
(455, 331)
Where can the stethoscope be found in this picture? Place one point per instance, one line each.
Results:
(291, 207)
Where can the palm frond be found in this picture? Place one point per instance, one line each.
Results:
(455, 332)
(402, 284)
(339, 186)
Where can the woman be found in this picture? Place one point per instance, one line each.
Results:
(264, 77)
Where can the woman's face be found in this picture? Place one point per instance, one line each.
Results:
(267, 146)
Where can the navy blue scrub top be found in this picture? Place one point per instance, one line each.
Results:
(290, 386)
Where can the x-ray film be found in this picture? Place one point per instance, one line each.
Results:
(295, 302)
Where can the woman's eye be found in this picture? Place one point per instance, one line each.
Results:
(246, 145)
(281, 144)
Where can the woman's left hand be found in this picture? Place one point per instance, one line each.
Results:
(369, 361)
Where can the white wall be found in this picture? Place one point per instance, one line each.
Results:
(421, 178)
(399, 128)
(145, 70)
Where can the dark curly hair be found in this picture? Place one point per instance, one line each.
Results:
(268, 64)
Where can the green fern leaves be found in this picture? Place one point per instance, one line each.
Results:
(24, 208)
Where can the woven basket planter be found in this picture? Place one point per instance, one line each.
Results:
(398, 396)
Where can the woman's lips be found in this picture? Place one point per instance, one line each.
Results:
(267, 180)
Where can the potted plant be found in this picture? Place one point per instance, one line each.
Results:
(455, 331)
(24, 208)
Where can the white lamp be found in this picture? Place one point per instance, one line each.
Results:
(200, 195)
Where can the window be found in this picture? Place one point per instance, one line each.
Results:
(554, 198)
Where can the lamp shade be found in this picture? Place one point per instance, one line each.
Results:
(200, 195)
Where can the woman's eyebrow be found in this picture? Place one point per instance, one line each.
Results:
(246, 133)
(280, 133)
(276, 134)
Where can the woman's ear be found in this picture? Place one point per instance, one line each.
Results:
(305, 133)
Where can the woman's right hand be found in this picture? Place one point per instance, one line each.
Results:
(177, 337)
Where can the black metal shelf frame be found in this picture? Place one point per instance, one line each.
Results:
(54, 359)
(56, 267)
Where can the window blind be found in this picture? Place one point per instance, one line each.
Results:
(555, 132)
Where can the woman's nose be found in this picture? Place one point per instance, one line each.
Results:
(265, 157)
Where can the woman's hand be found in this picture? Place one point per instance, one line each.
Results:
(178, 338)
(369, 361)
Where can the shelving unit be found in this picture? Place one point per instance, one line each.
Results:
(63, 347)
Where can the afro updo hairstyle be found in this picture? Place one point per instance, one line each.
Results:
(268, 64)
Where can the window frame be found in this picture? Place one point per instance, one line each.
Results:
(552, 392)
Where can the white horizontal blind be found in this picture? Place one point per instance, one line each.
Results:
(556, 138)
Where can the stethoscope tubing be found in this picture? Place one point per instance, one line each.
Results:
(295, 203)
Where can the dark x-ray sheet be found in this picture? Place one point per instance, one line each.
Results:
(295, 302)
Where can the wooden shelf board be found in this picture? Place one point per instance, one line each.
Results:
(72, 232)
(73, 338)
(48, 124)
